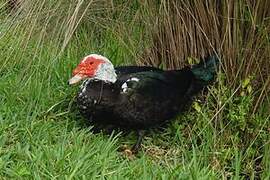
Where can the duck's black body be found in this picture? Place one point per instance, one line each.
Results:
(142, 97)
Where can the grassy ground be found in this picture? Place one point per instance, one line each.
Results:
(42, 137)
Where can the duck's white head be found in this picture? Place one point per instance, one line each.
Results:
(94, 66)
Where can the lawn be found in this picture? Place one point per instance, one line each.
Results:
(42, 135)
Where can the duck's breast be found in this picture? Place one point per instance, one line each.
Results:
(96, 98)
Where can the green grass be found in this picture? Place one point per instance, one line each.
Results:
(42, 137)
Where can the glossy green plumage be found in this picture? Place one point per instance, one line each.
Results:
(206, 70)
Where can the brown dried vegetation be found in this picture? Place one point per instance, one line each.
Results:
(237, 31)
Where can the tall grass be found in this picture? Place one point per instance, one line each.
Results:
(238, 31)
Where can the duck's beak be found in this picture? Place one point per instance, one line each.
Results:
(75, 79)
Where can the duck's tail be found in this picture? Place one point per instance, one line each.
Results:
(206, 70)
(204, 73)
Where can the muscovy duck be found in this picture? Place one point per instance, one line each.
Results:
(137, 97)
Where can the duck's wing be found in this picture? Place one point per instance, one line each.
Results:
(155, 83)
(151, 85)
(148, 98)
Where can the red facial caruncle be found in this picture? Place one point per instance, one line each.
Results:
(86, 69)
(87, 66)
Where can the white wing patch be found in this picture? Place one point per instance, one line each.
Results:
(124, 86)
(133, 79)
